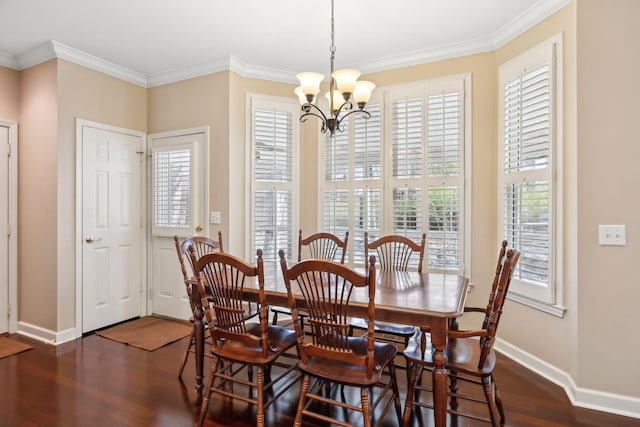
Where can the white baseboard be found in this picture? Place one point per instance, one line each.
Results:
(619, 404)
(45, 335)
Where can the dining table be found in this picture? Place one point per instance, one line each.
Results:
(426, 300)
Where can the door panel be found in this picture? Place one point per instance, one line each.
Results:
(112, 263)
(178, 207)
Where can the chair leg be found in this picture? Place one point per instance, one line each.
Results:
(396, 392)
(366, 411)
(498, 401)
(453, 388)
(412, 370)
(275, 318)
(205, 399)
(260, 388)
(186, 353)
(304, 388)
(488, 387)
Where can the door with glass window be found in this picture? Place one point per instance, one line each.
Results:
(178, 189)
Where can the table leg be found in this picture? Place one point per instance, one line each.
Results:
(199, 338)
(440, 373)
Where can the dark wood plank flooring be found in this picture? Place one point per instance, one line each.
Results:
(94, 381)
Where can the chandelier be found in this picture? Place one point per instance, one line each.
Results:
(340, 99)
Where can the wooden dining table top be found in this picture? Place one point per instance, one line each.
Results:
(407, 297)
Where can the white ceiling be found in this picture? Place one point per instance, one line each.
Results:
(155, 41)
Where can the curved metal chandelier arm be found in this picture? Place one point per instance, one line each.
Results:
(307, 110)
(366, 114)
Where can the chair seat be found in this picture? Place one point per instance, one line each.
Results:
(462, 355)
(280, 340)
(345, 373)
(384, 327)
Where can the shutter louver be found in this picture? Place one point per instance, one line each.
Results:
(336, 155)
(527, 227)
(366, 216)
(445, 240)
(407, 138)
(367, 145)
(273, 203)
(336, 211)
(172, 189)
(445, 135)
(527, 145)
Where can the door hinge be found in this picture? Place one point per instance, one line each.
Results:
(8, 230)
(8, 310)
(8, 149)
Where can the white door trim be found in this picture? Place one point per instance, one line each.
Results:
(205, 152)
(80, 123)
(13, 224)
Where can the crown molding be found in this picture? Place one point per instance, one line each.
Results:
(529, 18)
(231, 63)
(52, 49)
(8, 61)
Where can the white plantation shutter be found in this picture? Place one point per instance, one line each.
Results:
(274, 176)
(406, 173)
(527, 186)
(445, 179)
(172, 198)
(351, 187)
(407, 161)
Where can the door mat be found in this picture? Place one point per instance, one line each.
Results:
(9, 347)
(149, 333)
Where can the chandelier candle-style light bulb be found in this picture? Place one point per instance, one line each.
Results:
(310, 84)
(337, 99)
(343, 88)
(362, 92)
(346, 81)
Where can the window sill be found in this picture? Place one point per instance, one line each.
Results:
(552, 309)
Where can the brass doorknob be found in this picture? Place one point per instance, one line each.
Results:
(90, 239)
(199, 228)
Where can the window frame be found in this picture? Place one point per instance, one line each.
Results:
(254, 102)
(382, 96)
(550, 297)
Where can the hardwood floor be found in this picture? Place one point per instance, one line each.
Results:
(94, 381)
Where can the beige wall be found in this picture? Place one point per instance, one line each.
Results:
(201, 101)
(90, 95)
(550, 338)
(10, 90)
(608, 178)
(37, 194)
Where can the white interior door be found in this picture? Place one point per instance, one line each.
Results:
(112, 225)
(178, 207)
(4, 234)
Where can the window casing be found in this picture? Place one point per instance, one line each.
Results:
(402, 171)
(274, 176)
(529, 174)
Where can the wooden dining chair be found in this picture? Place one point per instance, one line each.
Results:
(397, 253)
(201, 246)
(321, 246)
(238, 345)
(470, 357)
(330, 358)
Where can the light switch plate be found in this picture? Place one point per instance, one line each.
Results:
(215, 218)
(612, 235)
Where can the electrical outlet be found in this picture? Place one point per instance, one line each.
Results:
(215, 218)
(612, 235)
